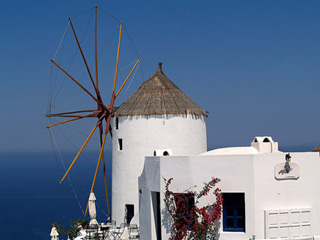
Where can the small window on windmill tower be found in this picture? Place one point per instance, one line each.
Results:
(117, 123)
(120, 144)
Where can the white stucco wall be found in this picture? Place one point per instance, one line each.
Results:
(141, 135)
(252, 174)
(271, 194)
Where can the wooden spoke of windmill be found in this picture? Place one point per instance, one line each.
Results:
(103, 112)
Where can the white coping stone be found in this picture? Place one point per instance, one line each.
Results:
(231, 151)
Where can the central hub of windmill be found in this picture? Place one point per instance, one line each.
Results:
(103, 112)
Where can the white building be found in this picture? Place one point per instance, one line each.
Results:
(158, 119)
(260, 197)
(160, 132)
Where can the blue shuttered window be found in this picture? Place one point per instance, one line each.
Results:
(233, 212)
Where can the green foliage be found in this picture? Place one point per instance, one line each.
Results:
(75, 226)
(73, 229)
(60, 228)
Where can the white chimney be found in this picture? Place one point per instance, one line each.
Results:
(162, 152)
(265, 144)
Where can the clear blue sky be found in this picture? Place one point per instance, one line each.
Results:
(254, 65)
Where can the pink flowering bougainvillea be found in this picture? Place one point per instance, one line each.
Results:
(189, 221)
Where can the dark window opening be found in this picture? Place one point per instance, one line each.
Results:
(233, 212)
(266, 140)
(117, 123)
(157, 213)
(120, 145)
(186, 207)
(165, 153)
(129, 213)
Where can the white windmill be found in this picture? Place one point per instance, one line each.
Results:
(158, 119)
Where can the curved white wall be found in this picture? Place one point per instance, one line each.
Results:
(141, 135)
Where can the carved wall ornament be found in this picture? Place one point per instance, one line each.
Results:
(287, 170)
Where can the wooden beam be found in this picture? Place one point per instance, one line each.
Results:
(95, 46)
(74, 116)
(97, 167)
(75, 159)
(70, 120)
(75, 80)
(82, 54)
(104, 170)
(116, 72)
(105, 184)
(64, 113)
(105, 176)
(125, 81)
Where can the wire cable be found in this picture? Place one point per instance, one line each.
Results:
(131, 40)
(131, 80)
(62, 38)
(64, 166)
(74, 56)
(110, 15)
(84, 12)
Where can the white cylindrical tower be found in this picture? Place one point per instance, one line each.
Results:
(157, 116)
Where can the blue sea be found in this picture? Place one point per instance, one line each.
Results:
(31, 197)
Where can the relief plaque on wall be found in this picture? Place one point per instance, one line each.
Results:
(286, 170)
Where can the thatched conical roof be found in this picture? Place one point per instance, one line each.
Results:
(316, 149)
(159, 96)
